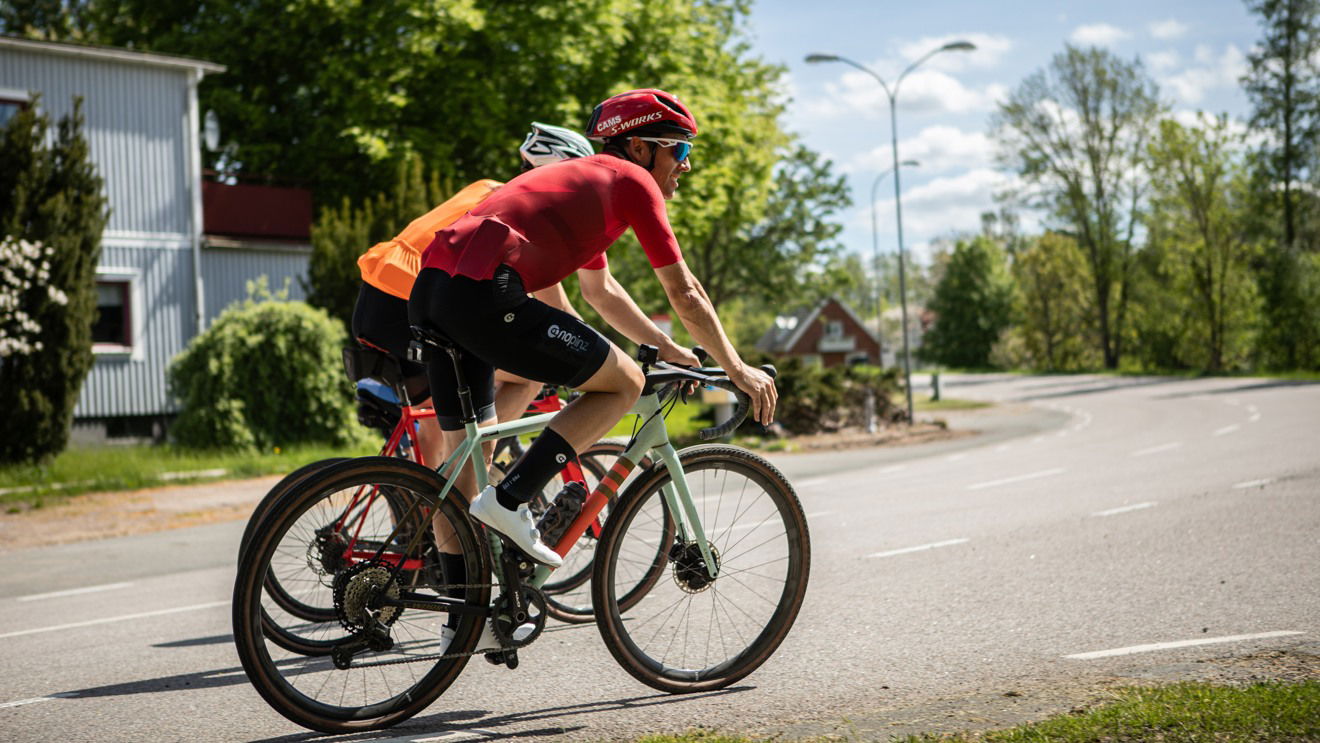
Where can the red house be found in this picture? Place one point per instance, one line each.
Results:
(828, 332)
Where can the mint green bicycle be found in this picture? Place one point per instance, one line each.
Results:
(697, 578)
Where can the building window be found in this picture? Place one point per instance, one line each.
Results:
(11, 102)
(114, 315)
(834, 329)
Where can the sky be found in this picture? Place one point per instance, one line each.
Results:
(1195, 51)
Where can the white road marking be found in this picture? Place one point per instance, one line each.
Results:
(121, 618)
(1038, 439)
(918, 548)
(74, 592)
(452, 736)
(891, 468)
(1179, 644)
(1254, 417)
(1124, 509)
(745, 527)
(1227, 430)
(1253, 483)
(812, 482)
(1157, 449)
(1018, 478)
(955, 457)
(1002, 447)
(1252, 408)
(35, 700)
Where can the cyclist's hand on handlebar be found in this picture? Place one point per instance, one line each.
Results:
(760, 387)
(676, 354)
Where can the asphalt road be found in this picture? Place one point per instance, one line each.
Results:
(1099, 530)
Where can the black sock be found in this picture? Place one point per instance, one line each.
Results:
(455, 573)
(546, 456)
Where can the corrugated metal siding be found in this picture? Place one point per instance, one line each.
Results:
(120, 385)
(134, 124)
(225, 274)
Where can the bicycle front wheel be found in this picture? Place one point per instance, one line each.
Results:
(691, 631)
(388, 663)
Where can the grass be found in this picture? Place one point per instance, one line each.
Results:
(947, 403)
(1180, 713)
(683, 422)
(88, 469)
(1272, 712)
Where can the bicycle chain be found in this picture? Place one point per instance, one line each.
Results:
(443, 656)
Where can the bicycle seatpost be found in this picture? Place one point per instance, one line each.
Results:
(464, 392)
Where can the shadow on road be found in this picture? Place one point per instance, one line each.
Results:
(464, 724)
(197, 642)
(1250, 386)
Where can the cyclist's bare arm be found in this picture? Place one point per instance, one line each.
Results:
(603, 292)
(693, 306)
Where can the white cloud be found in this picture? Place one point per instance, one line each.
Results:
(989, 50)
(924, 91)
(937, 148)
(937, 208)
(1210, 71)
(1167, 29)
(1098, 34)
(1162, 61)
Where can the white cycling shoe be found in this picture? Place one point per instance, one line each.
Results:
(517, 526)
(488, 641)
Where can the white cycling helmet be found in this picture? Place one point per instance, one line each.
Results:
(550, 144)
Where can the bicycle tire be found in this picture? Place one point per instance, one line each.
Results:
(676, 639)
(381, 687)
(273, 495)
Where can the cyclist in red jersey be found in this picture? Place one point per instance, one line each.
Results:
(532, 233)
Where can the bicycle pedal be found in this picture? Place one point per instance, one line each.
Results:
(507, 658)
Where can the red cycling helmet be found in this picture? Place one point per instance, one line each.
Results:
(648, 110)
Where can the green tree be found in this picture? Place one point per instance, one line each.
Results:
(973, 304)
(1049, 273)
(1283, 84)
(49, 194)
(1076, 133)
(1197, 223)
(340, 236)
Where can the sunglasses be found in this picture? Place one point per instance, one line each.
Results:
(682, 147)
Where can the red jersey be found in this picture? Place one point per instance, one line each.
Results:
(551, 221)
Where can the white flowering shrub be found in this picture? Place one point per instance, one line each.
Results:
(24, 281)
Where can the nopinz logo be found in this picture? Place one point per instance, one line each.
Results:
(568, 338)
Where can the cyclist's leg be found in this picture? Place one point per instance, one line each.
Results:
(381, 319)
(513, 394)
(607, 396)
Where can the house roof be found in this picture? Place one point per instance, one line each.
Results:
(110, 53)
(788, 329)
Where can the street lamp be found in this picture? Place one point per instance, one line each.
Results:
(875, 237)
(892, 94)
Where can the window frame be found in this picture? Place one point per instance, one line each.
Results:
(131, 281)
(22, 98)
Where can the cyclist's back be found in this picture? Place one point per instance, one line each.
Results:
(547, 223)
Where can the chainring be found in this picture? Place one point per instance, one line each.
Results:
(508, 617)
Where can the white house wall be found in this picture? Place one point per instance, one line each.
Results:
(227, 272)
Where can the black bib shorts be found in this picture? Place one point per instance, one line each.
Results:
(498, 326)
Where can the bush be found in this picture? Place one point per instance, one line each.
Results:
(267, 373)
(813, 398)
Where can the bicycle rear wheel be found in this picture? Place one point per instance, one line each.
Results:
(690, 631)
(397, 679)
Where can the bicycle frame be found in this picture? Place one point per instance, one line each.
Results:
(653, 436)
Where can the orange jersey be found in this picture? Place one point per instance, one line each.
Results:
(392, 266)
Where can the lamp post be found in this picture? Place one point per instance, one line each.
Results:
(875, 237)
(892, 94)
